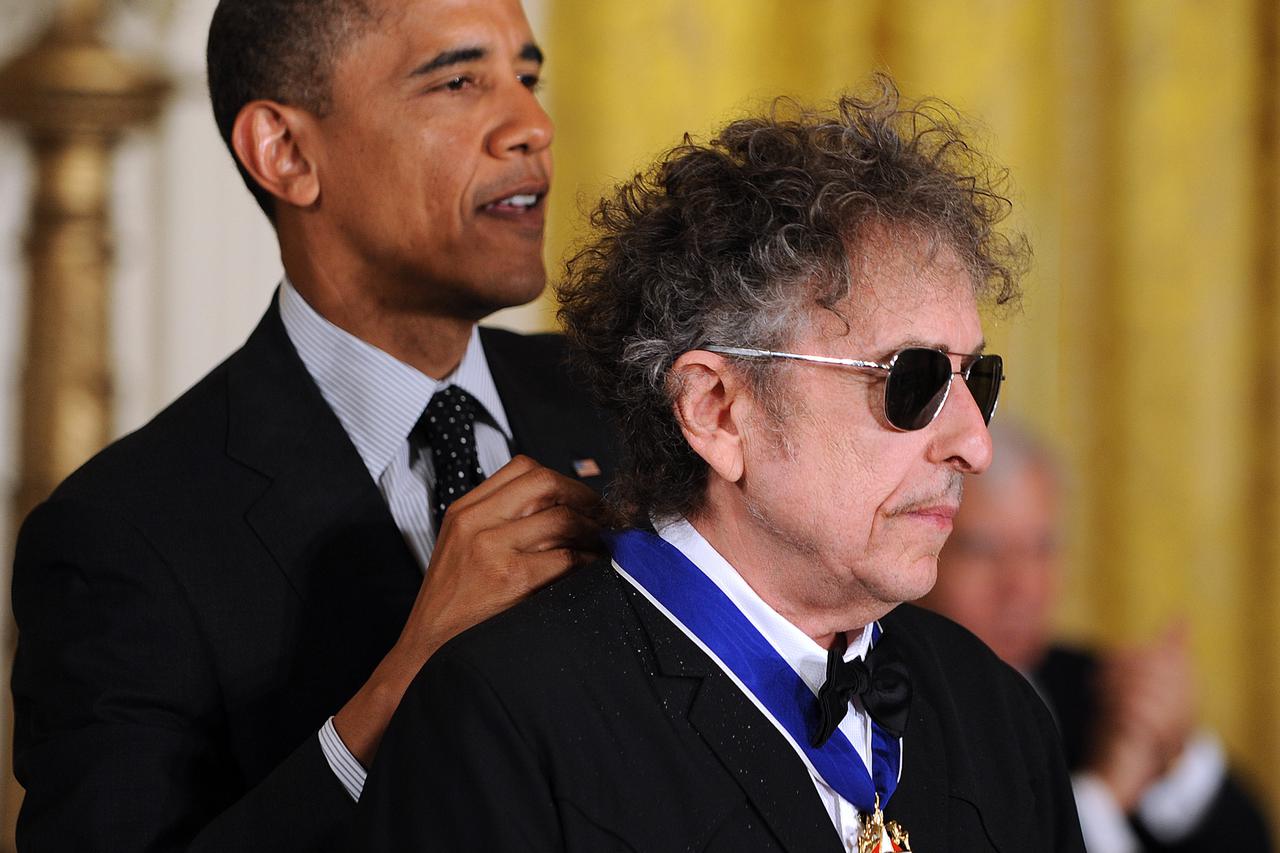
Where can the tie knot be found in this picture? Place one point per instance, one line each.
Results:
(449, 417)
(447, 430)
(849, 677)
(881, 682)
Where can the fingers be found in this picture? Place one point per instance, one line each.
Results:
(542, 487)
(531, 509)
(547, 566)
(1147, 693)
(517, 466)
(517, 531)
(555, 527)
(1126, 765)
(1125, 754)
(519, 489)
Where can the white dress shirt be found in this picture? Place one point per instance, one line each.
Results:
(1171, 809)
(806, 657)
(378, 400)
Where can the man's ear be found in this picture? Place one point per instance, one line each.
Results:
(267, 140)
(710, 403)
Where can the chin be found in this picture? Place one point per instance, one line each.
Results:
(518, 288)
(919, 580)
(484, 299)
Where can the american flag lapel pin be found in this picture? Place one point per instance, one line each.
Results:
(586, 468)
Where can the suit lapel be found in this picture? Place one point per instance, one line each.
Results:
(920, 804)
(758, 757)
(941, 761)
(321, 516)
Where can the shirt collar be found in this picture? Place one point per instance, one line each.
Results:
(797, 648)
(377, 397)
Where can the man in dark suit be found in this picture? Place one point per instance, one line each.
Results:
(1145, 776)
(219, 613)
(785, 322)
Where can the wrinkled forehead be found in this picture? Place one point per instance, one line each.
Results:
(904, 289)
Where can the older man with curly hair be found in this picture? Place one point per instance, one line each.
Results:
(784, 322)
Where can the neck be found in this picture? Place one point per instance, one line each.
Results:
(786, 580)
(360, 302)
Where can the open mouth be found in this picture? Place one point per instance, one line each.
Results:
(517, 203)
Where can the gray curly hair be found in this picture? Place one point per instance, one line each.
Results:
(736, 240)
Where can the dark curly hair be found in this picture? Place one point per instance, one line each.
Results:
(734, 241)
(277, 50)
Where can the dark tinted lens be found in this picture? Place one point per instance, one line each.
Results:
(916, 387)
(984, 379)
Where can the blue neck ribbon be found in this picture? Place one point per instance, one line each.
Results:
(702, 609)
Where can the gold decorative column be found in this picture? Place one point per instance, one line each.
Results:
(73, 97)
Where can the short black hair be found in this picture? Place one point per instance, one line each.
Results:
(277, 50)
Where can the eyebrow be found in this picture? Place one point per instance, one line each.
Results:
(529, 53)
(920, 342)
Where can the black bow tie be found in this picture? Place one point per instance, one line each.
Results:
(881, 682)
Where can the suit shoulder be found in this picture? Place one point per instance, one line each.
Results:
(571, 616)
(962, 673)
(934, 630)
(115, 509)
(156, 452)
(543, 348)
(948, 650)
(537, 364)
(177, 462)
(1068, 659)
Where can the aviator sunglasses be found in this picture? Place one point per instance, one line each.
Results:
(917, 380)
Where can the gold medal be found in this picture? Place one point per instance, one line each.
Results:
(877, 836)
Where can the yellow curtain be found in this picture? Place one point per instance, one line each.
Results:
(1143, 138)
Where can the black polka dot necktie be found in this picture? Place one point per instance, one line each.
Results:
(447, 427)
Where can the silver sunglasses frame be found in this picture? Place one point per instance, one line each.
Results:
(748, 352)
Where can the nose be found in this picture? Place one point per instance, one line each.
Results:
(523, 127)
(961, 438)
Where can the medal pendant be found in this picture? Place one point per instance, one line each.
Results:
(877, 836)
(897, 837)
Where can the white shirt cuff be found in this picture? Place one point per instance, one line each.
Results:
(1176, 804)
(1103, 823)
(343, 764)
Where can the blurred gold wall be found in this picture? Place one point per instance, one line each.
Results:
(1142, 135)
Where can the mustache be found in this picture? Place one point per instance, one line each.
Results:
(951, 493)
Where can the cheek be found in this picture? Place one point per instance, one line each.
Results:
(850, 496)
(876, 491)
(413, 164)
(862, 464)
(448, 154)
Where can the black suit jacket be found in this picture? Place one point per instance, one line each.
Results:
(583, 720)
(196, 600)
(1233, 822)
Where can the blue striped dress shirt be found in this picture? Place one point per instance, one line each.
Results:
(378, 399)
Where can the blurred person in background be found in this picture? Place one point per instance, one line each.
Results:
(1146, 777)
